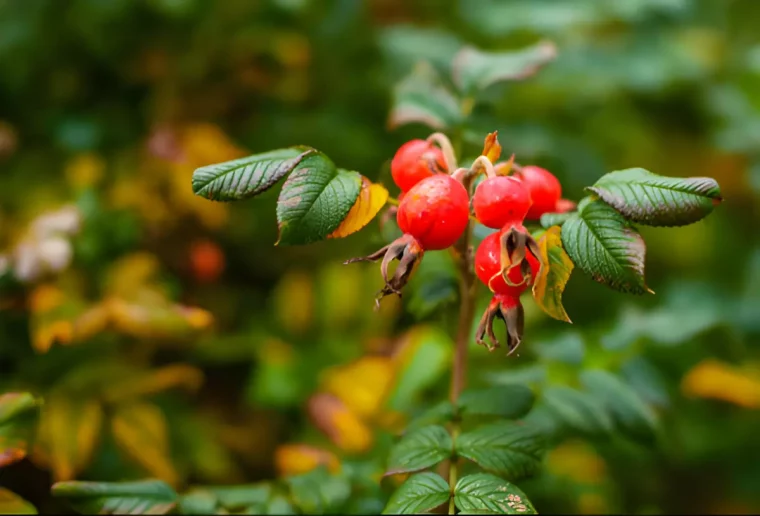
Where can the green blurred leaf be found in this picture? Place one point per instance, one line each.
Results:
(246, 177)
(647, 198)
(510, 450)
(420, 449)
(604, 245)
(577, 410)
(315, 199)
(441, 413)
(422, 97)
(318, 492)
(239, 496)
(433, 287)
(631, 415)
(141, 497)
(475, 69)
(483, 493)
(11, 503)
(507, 401)
(19, 412)
(197, 501)
(420, 493)
(567, 347)
(555, 219)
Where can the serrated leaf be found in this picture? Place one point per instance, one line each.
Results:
(420, 449)
(577, 410)
(70, 429)
(246, 177)
(475, 69)
(631, 415)
(553, 276)
(655, 200)
(422, 97)
(554, 219)
(420, 493)
(483, 493)
(315, 200)
(507, 401)
(142, 497)
(604, 245)
(318, 492)
(11, 503)
(510, 450)
(140, 430)
(19, 411)
(371, 200)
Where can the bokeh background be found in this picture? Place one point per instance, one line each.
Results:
(171, 338)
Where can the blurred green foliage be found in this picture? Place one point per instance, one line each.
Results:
(168, 338)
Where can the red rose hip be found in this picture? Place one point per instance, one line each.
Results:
(544, 188)
(488, 268)
(414, 161)
(500, 200)
(435, 212)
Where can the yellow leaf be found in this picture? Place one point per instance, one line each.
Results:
(131, 274)
(11, 503)
(140, 430)
(716, 380)
(553, 276)
(294, 459)
(372, 198)
(176, 375)
(362, 385)
(592, 503)
(341, 425)
(196, 318)
(579, 461)
(45, 298)
(85, 170)
(492, 147)
(294, 301)
(93, 321)
(69, 432)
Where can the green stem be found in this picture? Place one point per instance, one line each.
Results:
(452, 484)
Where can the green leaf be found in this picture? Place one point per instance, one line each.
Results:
(510, 450)
(198, 501)
(443, 412)
(631, 415)
(433, 286)
(244, 495)
(604, 245)
(420, 493)
(246, 177)
(141, 497)
(655, 200)
(315, 199)
(555, 219)
(318, 492)
(474, 69)
(19, 413)
(579, 411)
(420, 449)
(507, 401)
(422, 97)
(11, 503)
(487, 494)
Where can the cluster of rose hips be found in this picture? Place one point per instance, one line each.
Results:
(434, 212)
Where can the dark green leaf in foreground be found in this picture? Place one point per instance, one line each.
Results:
(474, 69)
(142, 497)
(420, 449)
(629, 412)
(604, 245)
(422, 97)
(483, 493)
(420, 493)
(506, 401)
(508, 449)
(315, 199)
(655, 200)
(246, 177)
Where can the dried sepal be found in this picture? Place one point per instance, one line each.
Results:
(508, 309)
(407, 251)
(515, 243)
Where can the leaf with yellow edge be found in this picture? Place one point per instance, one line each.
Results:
(140, 430)
(151, 382)
(715, 380)
(492, 147)
(362, 385)
(11, 503)
(372, 197)
(553, 276)
(69, 430)
(296, 458)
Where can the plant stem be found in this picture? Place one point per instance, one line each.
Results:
(452, 485)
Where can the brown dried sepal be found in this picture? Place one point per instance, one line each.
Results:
(409, 254)
(508, 309)
(515, 244)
